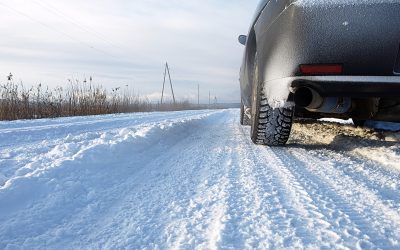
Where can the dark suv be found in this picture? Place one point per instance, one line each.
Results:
(319, 58)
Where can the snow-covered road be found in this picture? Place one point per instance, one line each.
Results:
(193, 179)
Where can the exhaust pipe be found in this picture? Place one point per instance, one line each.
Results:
(312, 101)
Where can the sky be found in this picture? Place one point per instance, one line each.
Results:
(125, 43)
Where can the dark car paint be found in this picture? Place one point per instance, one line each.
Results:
(268, 10)
(364, 37)
(261, 5)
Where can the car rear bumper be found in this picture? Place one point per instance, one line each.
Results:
(349, 86)
(278, 90)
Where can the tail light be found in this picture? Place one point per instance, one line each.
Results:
(321, 69)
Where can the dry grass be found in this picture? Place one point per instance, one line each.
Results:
(78, 99)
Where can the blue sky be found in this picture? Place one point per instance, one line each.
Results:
(121, 42)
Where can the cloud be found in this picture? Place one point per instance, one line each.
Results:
(127, 42)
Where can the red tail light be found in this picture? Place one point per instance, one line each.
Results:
(321, 69)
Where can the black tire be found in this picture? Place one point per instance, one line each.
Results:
(244, 119)
(269, 126)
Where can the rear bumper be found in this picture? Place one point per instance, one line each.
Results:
(350, 86)
(369, 97)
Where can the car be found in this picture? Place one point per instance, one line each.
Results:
(316, 59)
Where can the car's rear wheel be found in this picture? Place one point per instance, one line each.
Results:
(269, 126)
(244, 119)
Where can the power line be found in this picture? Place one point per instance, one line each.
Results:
(55, 11)
(54, 30)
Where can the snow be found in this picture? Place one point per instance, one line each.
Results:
(277, 92)
(341, 2)
(193, 179)
(335, 120)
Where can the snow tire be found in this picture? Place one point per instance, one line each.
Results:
(269, 126)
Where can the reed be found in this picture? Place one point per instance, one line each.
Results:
(77, 99)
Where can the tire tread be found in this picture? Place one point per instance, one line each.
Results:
(273, 125)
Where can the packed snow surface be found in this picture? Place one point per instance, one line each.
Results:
(194, 179)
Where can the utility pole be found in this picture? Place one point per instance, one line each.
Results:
(209, 99)
(170, 83)
(162, 93)
(198, 94)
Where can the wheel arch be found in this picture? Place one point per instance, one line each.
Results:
(247, 71)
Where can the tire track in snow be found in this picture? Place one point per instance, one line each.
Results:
(179, 200)
(330, 216)
(384, 183)
(258, 218)
(361, 213)
(297, 204)
(204, 213)
(352, 228)
(330, 206)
